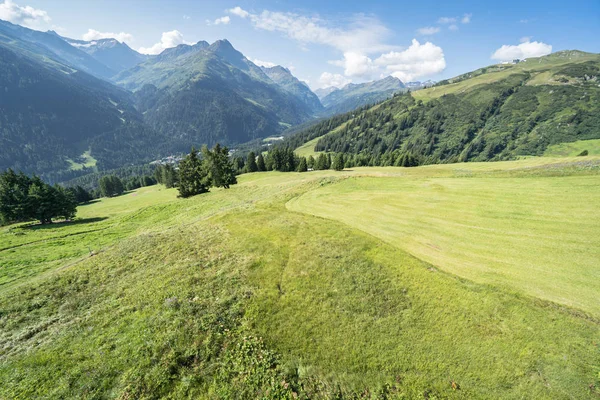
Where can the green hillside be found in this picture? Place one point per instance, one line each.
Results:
(243, 293)
(494, 113)
(211, 93)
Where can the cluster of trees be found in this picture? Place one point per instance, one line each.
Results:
(24, 198)
(110, 186)
(200, 170)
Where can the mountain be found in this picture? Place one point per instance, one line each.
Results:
(353, 95)
(49, 43)
(52, 116)
(208, 93)
(494, 113)
(419, 85)
(288, 82)
(110, 52)
(323, 92)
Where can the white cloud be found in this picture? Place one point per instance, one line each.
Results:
(525, 39)
(453, 27)
(27, 16)
(239, 12)
(93, 34)
(428, 30)
(447, 20)
(417, 61)
(524, 50)
(360, 39)
(186, 16)
(261, 63)
(524, 21)
(466, 18)
(168, 40)
(223, 20)
(364, 34)
(328, 79)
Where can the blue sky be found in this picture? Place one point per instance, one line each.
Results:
(334, 42)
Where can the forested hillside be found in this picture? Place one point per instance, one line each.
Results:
(512, 111)
(205, 94)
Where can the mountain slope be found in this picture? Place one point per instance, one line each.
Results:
(495, 113)
(353, 95)
(284, 78)
(211, 93)
(110, 52)
(50, 114)
(16, 35)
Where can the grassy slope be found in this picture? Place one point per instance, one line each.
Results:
(540, 68)
(181, 284)
(574, 148)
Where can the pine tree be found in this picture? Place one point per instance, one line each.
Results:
(192, 176)
(328, 164)
(260, 163)
(217, 166)
(302, 165)
(338, 162)
(310, 163)
(251, 165)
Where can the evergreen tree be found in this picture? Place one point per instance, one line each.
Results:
(328, 163)
(302, 165)
(111, 185)
(260, 163)
(192, 176)
(310, 162)
(217, 166)
(251, 165)
(338, 162)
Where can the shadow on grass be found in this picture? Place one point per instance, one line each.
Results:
(89, 202)
(58, 224)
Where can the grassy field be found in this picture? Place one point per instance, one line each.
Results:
(573, 149)
(89, 162)
(241, 293)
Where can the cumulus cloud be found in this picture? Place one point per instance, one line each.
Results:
(327, 79)
(93, 34)
(447, 20)
(364, 34)
(360, 39)
(428, 30)
(239, 12)
(169, 39)
(526, 49)
(466, 18)
(223, 20)
(416, 61)
(453, 27)
(261, 63)
(27, 16)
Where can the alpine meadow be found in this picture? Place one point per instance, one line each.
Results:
(337, 201)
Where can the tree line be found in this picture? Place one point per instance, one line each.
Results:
(24, 198)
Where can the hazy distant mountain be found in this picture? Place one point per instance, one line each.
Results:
(208, 93)
(353, 96)
(284, 78)
(57, 46)
(110, 52)
(323, 92)
(419, 85)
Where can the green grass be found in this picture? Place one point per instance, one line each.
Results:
(89, 162)
(180, 291)
(308, 148)
(573, 149)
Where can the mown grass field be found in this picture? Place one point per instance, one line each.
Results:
(241, 293)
